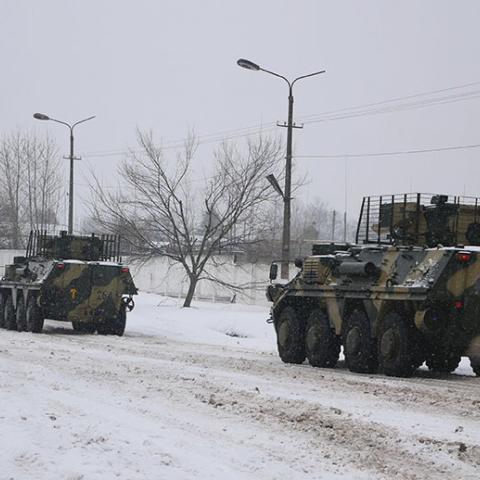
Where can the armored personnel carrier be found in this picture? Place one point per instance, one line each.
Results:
(407, 292)
(78, 279)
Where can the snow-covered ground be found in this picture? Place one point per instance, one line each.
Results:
(200, 393)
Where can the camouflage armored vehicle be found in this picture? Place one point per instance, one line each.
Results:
(407, 292)
(76, 279)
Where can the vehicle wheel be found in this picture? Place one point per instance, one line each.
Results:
(290, 337)
(9, 314)
(104, 328)
(397, 345)
(359, 347)
(418, 354)
(322, 346)
(20, 315)
(475, 366)
(442, 361)
(118, 325)
(34, 316)
(2, 310)
(83, 327)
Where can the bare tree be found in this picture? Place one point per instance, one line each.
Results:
(163, 210)
(11, 171)
(30, 184)
(311, 222)
(42, 182)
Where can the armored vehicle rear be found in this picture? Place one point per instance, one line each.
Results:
(77, 279)
(407, 292)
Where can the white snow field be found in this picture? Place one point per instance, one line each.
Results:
(200, 393)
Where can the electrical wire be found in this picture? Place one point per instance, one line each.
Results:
(395, 99)
(400, 152)
(345, 156)
(401, 107)
(339, 114)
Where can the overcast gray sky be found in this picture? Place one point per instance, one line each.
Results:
(171, 65)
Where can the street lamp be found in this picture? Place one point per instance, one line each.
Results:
(42, 116)
(242, 62)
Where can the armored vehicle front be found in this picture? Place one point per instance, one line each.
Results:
(407, 292)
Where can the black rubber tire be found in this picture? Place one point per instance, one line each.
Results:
(291, 337)
(20, 314)
(475, 366)
(9, 314)
(322, 346)
(104, 328)
(420, 349)
(396, 346)
(34, 315)
(114, 326)
(83, 327)
(118, 324)
(359, 347)
(442, 361)
(2, 310)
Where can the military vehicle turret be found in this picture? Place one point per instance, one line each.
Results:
(407, 292)
(78, 279)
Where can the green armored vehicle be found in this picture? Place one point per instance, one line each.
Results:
(406, 293)
(76, 279)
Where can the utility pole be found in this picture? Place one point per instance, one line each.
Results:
(70, 194)
(287, 193)
(71, 157)
(333, 225)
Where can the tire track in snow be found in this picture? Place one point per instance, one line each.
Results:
(222, 380)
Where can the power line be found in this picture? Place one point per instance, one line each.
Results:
(400, 152)
(401, 107)
(173, 146)
(338, 114)
(343, 155)
(395, 99)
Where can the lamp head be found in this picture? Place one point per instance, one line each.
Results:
(242, 62)
(41, 116)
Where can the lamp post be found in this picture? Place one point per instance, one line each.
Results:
(42, 116)
(242, 62)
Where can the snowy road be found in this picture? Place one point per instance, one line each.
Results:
(201, 394)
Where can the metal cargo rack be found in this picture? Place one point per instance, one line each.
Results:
(419, 219)
(105, 247)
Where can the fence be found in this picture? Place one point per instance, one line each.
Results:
(159, 275)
